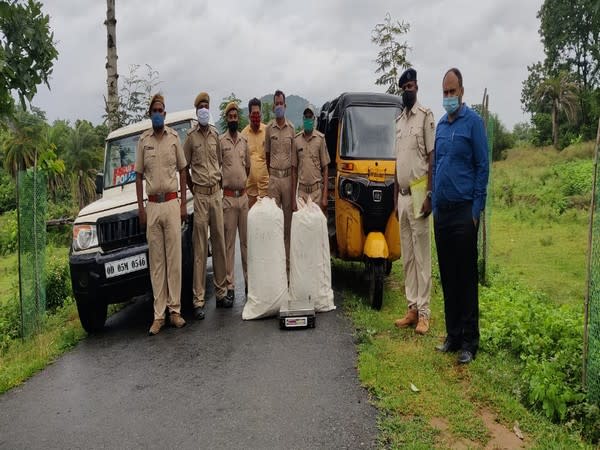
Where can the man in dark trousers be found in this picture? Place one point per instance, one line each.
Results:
(460, 179)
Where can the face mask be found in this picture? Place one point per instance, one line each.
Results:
(451, 104)
(255, 120)
(232, 126)
(309, 124)
(409, 98)
(279, 111)
(158, 120)
(203, 116)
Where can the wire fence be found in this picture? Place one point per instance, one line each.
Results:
(591, 359)
(31, 211)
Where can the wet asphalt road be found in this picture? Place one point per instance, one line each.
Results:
(220, 383)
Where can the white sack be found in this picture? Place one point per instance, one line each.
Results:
(267, 277)
(310, 265)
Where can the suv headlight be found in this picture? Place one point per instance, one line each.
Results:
(84, 237)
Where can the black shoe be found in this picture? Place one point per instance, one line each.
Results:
(446, 347)
(227, 301)
(246, 291)
(231, 294)
(465, 357)
(199, 313)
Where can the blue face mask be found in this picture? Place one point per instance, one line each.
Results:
(279, 111)
(451, 104)
(158, 120)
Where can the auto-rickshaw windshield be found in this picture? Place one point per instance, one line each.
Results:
(368, 132)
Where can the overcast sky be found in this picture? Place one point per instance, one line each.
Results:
(316, 49)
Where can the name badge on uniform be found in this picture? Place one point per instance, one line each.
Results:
(273, 138)
(148, 147)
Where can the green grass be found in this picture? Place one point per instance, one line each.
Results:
(59, 332)
(539, 239)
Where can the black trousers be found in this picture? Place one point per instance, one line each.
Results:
(456, 242)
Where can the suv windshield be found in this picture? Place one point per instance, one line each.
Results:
(120, 156)
(368, 132)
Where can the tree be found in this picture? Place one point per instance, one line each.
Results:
(27, 52)
(83, 158)
(392, 56)
(242, 119)
(112, 76)
(267, 112)
(23, 142)
(134, 95)
(523, 133)
(563, 96)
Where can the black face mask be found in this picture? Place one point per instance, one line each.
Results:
(409, 98)
(232, 126)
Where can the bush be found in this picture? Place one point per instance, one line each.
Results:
(58, 283)
(549, 341)
(10, 321)
(8, 232)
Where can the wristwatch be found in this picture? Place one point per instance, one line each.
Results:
(429, 194)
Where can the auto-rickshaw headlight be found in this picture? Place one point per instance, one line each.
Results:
(348, 189)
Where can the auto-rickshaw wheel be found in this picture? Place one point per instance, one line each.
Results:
(376, 271)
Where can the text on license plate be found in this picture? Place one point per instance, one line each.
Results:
(125, 265)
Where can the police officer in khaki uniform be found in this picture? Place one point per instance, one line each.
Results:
(258, 180)
(159, 157)
(236, 166)
(415, 137)
(279, 147)
(203, 154)
(310, 161)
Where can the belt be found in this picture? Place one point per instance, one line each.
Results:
(452, 205)
(404, 191)
(233, 192)
(281, 173)
(308, 188)
(206, 190)
(162, 197)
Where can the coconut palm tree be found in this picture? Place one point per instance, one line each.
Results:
(23, 141)
(83, 157)
(562, 93)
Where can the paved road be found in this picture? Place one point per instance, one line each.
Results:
(215, 384)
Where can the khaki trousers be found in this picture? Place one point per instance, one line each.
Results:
(208, 212)
(280, 189)
(235, 219)
(315, 196)
(163, 233)
(415, 239)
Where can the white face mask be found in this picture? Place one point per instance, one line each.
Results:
(203, 116)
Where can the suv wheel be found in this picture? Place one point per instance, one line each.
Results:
(92, 313)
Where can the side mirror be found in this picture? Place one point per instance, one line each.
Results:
(99, 183)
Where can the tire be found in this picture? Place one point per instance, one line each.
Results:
(376, 268)
(92, 313)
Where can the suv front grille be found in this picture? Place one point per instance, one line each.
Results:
(120, 230)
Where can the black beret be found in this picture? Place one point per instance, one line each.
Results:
(408, 75)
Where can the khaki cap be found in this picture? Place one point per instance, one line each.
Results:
(201, 97)
(230, 106)
(309, 108)
(156, 98)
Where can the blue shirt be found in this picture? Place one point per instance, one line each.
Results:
(461, 168)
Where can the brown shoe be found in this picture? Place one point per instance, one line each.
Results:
(422, 326)
(156, 326)
(176, 320)
(411, 318)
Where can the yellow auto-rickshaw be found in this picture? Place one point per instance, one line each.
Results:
(360, 132)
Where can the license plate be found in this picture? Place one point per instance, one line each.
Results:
(125, 265)
(296, 321)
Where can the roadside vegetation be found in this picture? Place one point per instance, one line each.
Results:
(527, 377)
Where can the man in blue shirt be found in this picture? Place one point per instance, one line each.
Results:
(460, 177)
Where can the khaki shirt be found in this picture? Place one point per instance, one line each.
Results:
(256, 148)
(279, 142)
(310, 157)
(160, 160)
(236, 160)
(203, 155)
(415, 137)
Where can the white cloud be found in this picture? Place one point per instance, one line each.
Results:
(316, 49)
